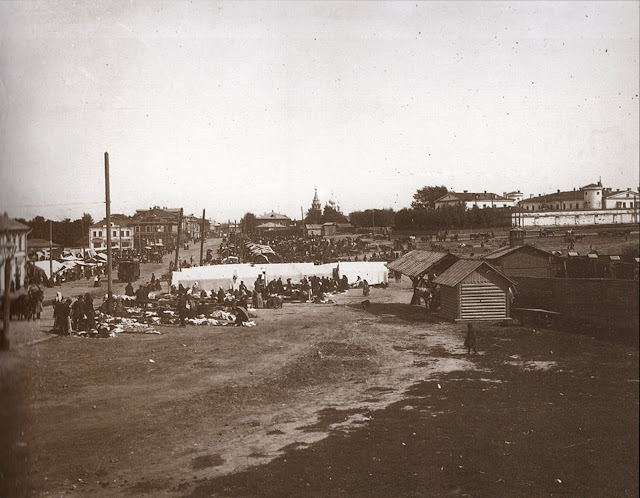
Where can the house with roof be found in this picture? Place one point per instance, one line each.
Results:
(621, 199)
(587, 197)
(157, 227)
(273, 217)
(122, 233)
(522, 261)
(474, 290)
(13, 251)
(313, 230)
(469, 200)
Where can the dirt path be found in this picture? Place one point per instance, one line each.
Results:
(282, 408)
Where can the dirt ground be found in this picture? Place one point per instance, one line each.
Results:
(319, 400)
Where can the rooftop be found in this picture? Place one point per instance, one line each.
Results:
(10, 225)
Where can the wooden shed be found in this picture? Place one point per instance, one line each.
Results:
(472, 289)
(522, 261)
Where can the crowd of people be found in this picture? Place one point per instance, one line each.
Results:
(73, 315)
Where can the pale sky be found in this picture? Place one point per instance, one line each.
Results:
(247, 106)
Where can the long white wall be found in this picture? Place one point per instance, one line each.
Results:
(577, 218)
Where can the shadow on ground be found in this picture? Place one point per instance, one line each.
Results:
(398, 311)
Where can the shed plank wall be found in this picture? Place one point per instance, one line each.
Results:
(449, 302)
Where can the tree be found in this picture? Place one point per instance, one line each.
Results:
(248, 223)
(426, 197)
(87, 220)
(331, 215)
(313, 216)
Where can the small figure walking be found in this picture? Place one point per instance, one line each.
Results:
(470, 340)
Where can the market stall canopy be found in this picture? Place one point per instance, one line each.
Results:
(213, 277)
(44, 266)
(374, 272)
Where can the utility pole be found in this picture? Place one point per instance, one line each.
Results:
(178, 240)
(373, 221)
(202, 238)
(51, 250)
(108, 203)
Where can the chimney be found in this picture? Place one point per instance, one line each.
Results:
(558, 190)
(465, 191)
(485, 191)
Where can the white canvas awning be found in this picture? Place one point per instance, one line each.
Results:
(44, 265)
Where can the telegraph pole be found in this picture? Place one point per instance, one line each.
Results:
(51, 250)
(178, 240)
(202, 238)
(108, 203)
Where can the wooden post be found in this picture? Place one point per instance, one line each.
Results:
(108, 208)
(4, 339)
(202, 238)
(51, 250)
(178, 240)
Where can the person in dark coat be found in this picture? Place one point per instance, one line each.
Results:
(89, 312)
(128, 290)
(182, 305)
(77, 312)
(470, 341)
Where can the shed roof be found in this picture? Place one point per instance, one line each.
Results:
(462, 269)
(503, 251)
(416, 262)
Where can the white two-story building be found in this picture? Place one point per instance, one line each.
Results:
(13, 251)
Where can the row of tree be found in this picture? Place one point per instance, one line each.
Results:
(422, 215)
(67, 233)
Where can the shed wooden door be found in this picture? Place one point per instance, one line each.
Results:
(482, 301)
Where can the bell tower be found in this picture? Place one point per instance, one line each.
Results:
(315, 205)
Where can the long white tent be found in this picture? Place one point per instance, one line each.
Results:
(214, 277)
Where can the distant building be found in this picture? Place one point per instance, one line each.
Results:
(592, 196)
(522, 261)
(122, 233)
(329, 229)
(157, 227)
(273, 217)
(313, 230)
(621, 199)
(13, 251)
(470, 200)
(516, 196)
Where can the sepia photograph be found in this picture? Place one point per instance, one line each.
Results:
(319, 248)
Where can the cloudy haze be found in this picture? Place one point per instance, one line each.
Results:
(243, 106)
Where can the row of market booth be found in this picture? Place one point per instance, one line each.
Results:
(214, 277)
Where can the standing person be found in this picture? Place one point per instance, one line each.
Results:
(182, 305)
(365, 288)
(77, 311)
(57, 312)
(470, 340)
(61, 312)
(89, 313)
